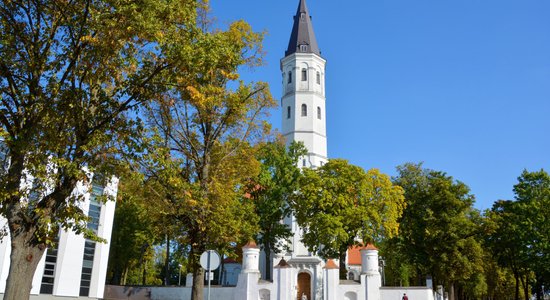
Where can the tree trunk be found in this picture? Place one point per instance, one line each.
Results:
(267, 263)
(115, 278)
(516, 277)
(124, 276)
(525, 285)
(24, 259)
(538, 288)
(222, 269)
(452, 291)
(167, 262)
(144, 279)
(342, 263)
(197, 292)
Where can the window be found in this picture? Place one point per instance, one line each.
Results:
(94, 212)
(318, 78)
(318, 112)
(289, 76)
(304, 74)
(49, 269)
(288, 112)
(303, 162)
(303, 48)
(87, 266)
(304, 110)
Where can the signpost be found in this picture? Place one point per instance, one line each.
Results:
(210, 260)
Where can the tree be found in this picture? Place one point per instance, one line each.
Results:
(339, 204)
(271, 191)
(136, 232)
(520, 236)
(502, 282)
(505, 238)
(440, 230)
(533, 205)
(69, 71)
(200, 151)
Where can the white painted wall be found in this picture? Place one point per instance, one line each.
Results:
(69, 264)
(104, 230)
(309, 129)
(414, 293)
(179, 293)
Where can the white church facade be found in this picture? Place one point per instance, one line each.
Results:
(288, 284)
(300, 274)
(304, 120)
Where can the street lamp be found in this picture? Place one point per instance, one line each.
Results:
(179, 275)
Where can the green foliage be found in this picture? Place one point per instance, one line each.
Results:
(136, 230)
(271, 191)
(440, 230)
(71, 72)
(500, 280)
(398, 271)
(339, 204)
(520, 231)
(199, 151)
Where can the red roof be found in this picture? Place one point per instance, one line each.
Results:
(282, 264)
(354, 255)
(370, 247)
(230, 261)
(251, 244)
(331, 265)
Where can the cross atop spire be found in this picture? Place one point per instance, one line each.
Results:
(302, 38)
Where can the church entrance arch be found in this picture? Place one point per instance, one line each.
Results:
(304, 286)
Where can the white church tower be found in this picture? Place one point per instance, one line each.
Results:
(304, 120)
(303, 100)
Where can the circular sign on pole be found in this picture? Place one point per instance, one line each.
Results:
(210, 260)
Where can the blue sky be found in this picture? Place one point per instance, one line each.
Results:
(461, 85)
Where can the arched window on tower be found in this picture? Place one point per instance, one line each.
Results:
(304, 74)
(304, 110)
(319, 112)
(289, 76)
(288, 112)
(318, 77)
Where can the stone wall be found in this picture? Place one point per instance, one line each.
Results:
(414, 293)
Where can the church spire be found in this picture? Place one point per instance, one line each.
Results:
(302, 38)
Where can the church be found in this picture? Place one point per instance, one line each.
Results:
(300, 274)
(297, 274)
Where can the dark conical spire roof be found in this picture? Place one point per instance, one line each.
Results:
(302, 38)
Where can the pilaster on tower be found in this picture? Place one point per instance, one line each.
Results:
(303, 100)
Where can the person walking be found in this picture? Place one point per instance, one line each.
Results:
(405, 297)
